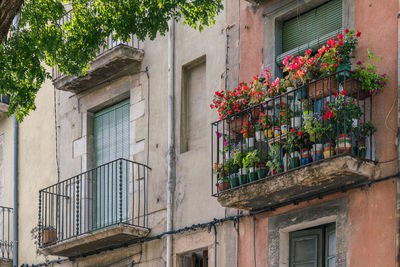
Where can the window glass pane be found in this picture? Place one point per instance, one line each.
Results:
(305, 250)
(332, 244)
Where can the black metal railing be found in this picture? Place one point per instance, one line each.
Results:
(6, 234)
(322, 119)
(5, 99)
(111, 194)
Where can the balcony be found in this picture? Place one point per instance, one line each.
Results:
(4, 102)
(6, 236)
(308, 141)
(100, 208)
(114, 60)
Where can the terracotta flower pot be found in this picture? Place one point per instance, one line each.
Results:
(329, 150)
(329, 86)
(49, 236)
(223, 185)
(344, 145)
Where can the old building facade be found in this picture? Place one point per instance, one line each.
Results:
(93, 157)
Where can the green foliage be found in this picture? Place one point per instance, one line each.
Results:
(252, 158)
(231, 167)
(43, 38)
(274, 162)
(371, 81)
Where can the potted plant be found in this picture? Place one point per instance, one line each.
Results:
(292, 150)
(304, 143)
(238, 156)
(249, 162)
(313, 126)
(373, 83)
(363, 131)
(295, 120)
(285, 114)
(228, 147)
(232, 170)
(308, 109)
(335, 56)
(49, 235)
(248, 134)
(265, 124)
(343, 111)
(274, 163)
(222, 180)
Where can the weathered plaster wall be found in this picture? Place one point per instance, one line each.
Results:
(37, 167)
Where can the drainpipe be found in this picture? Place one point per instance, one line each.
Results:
(15, 176)
(15, 194)
(171, 138)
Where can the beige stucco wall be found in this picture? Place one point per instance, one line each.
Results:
(37, 166)
(192, 200)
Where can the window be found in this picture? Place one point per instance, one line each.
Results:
(313, 247)
(111, 142)
(311, 29)
(193, 84)
(195, 259)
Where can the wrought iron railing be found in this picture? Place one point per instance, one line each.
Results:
(134, 42)
(111, 194)
(5, 99)
(6, 234)
(328, 117)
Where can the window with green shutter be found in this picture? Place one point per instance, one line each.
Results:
(111, 142)
(311, 29)
(314, 247)
(111, 133)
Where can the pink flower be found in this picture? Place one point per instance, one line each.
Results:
(308, 52)
(346, 31)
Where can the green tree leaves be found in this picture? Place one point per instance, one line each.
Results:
(68, 34)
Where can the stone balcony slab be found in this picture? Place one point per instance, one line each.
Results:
(85, 243)
(333, 173)
(111, 64)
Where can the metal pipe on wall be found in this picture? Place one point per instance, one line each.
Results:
(171, 140)
(15, 175)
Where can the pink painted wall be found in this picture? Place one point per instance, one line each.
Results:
(251, 41)
(372, 211)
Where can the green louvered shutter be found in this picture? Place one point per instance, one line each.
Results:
(111, 142)
(311, 29)
(111, 133)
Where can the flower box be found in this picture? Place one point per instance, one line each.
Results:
(329, 86)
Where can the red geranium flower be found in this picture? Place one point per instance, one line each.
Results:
(300, 133)
(346, 31)
(358, 34)
(343, 92)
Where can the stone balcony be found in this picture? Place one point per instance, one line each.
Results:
(324, 176)
(111, 64)
(104, 238)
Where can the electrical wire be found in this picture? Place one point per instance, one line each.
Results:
(212, 224)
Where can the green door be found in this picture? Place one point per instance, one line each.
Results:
(111, 142)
